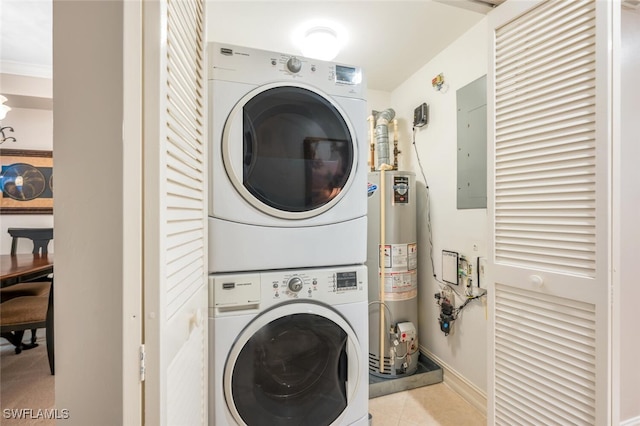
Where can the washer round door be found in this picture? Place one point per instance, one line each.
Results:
(289, 151)
(296, 364)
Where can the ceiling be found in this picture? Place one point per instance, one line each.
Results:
(391, 40)
(25, 37)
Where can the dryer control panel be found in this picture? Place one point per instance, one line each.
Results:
(257, 291)
(253, 66)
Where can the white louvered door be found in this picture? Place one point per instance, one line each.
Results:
(549, 203)
(175, 250)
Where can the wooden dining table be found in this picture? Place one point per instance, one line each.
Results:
(24, 267)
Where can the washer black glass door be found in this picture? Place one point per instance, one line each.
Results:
(293, 371)
(298, 151)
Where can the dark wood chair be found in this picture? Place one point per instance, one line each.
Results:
(39, 236)
(22, 313)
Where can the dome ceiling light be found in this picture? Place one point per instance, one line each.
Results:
(321, 43)
(320, 40)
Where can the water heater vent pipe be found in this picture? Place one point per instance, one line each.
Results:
(383, 118)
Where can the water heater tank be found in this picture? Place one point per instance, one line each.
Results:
(399, 300)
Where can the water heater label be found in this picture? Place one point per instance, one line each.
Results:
(412, 256)
(400, 189)
(387, 256)
(401, 257)
(401, 285)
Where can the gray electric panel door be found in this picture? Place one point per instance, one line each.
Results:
(472, 145)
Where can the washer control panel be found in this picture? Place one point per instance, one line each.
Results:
(315, 283)
(258, 290)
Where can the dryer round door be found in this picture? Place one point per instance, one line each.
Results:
(289, 150)
(296, 364)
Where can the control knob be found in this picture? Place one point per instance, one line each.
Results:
(294, 64)
(295, 284)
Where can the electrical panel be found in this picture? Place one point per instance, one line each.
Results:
(472, 145)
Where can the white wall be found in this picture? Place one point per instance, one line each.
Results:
(377, 100)
(465, 350)
(630, 199)
(88, 150)
(32, 123)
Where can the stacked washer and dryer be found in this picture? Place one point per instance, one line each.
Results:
(287, 240)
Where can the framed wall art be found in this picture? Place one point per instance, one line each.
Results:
(26, 182)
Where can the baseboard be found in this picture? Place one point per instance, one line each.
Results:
(631, 422)
(459, 384)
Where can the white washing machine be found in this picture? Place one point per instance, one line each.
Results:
(288, 161)
(289, 347)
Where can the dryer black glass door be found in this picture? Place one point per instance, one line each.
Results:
(293, 371)
(298, 151)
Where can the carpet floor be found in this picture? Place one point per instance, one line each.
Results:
(27, 388)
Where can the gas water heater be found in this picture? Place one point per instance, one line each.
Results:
(392, 261)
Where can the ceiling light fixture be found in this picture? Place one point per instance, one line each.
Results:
(4, 109)
(320, 39)
(321, 43)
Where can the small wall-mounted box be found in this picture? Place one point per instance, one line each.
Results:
(420, 115)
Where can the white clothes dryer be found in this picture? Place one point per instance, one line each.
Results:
(288, 161)
(289, 347)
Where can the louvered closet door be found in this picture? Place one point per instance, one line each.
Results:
(175, 213)
(550, 147)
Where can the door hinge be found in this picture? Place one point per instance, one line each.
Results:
(143, 366)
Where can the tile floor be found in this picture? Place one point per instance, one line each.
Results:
(433, 405)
